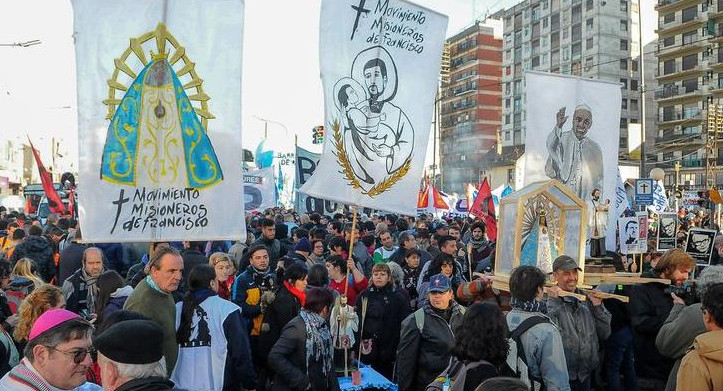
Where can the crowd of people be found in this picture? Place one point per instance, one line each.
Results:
(306, 299)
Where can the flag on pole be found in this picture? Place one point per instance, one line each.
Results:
(660, 200)
(438, 201)
(423, 198)
(483, 208)
(380, 63)
(55, 204)
(159, 119)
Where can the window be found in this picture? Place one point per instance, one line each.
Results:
(624, 82)
(507, 71)
(507, 88)
(555, 57)
(576, 32)
(634, 104)
(518, 104)
(689, 14)
(690, 61)
(588, 5)
(623, 5)
(623, 25)
(518, 87)
(633, 84)
(507, 103)
(555, 21)
(535, 62)
(669, 18)
(588, 63)
(544, 5)
(535, 12)
(507, 119)
(625, 104)
(588, 24)
(555, 40)
(577, 68)
(668, 67)
(535, 30)
(576, 50)
(508, 54)
(535, 47)
(623, 44)
(544, 23)
(588, 44)
(576, 13)
(690, 85)
(623, 123)
(634, 65)
(623, 64)
(689, 37)
(669, 41)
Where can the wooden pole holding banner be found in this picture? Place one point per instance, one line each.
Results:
(346, 287)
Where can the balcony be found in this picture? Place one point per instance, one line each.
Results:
(666, 6)
(679, 91)
(681, 46)
(679, 115)
(678, 70)
(678, 25)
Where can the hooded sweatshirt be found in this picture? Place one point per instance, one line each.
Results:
(702, 367)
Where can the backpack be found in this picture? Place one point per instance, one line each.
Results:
(516, 358)
(454, 376)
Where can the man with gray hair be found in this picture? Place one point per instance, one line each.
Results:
(685, 322)
(130, 357)
(574, 159)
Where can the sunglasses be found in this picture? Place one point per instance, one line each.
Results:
(77, 354)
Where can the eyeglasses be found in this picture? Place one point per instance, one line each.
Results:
(77, 354)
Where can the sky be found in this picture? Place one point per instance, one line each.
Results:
(281, 84)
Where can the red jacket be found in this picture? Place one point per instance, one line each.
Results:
(355, 287)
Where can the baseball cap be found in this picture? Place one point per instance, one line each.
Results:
(564, 262)
(439, 283)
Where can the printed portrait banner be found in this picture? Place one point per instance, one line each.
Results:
(667, 231)
(259, 189)
(572, 135)
(380, 62)
(159, 119)
(700, 245)
(630, 242)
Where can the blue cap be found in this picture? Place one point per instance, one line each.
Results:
(439, 283)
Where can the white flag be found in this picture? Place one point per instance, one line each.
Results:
(660, 200)
(259, 189)
(159, 119)
(380, 63)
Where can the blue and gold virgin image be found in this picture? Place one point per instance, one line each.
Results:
(156, 137)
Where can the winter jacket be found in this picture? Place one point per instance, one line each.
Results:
(582, 326)
(355, 288)
(411, 277)
(288, 360)
(77, 296)
(147, 384)
(116, 302)
(386, 308)
(41, 252)
(702, 367)
(246, 293)
(280, 312)
(677, 335)
(136, 273)
(217, 354)
(191, 259)
(544, 352)
(423, 354)
(71, 259)
(649, 306)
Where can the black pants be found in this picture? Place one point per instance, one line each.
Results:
(597, 247)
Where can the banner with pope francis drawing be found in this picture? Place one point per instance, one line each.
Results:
(159, 92)
(380, 63)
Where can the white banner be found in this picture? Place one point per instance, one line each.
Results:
(573, 133)
(259, 189)
(380, 63)
(159, 119)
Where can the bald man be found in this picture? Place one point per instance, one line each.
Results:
(573, 158)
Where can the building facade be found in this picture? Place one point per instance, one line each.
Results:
(470, 103)
(591, 38)
(690, 77)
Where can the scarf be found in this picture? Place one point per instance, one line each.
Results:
(318, 340)
(153, 285)
(297, 293)
(477, 244)
(529, 306)
(92, 287)
(24, 374)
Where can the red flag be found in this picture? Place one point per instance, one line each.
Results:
(423, 198)
(54, 203)
(484, 209)
(438, 200)
(71, 202)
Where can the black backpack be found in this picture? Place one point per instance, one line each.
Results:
(516, 358)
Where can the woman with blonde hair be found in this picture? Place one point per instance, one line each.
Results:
(24, 269)
(36, 303)
(223, 265)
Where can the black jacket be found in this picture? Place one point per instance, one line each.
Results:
(40, 251)
(278, 314)
(147, 384)
(71, 259)
(649, 307)
(191, 259)
(423, 354)
(386, 309)
(288, 361)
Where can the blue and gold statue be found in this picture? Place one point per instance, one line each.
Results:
(155, 137)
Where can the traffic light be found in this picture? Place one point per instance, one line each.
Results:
(318, 135)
